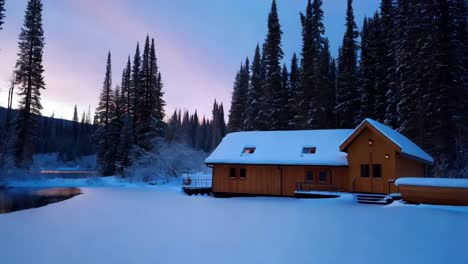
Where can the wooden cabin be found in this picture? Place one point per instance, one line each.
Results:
(367, 159)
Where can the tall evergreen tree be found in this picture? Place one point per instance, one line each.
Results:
(237, 113)
(135, 89)
(29, 75)
(2, 12)
(106, 162)
(347, 90)
(368, 71)
(273, 54)
(295, 92)
(254, 93)
(75, 124)
(280, 101)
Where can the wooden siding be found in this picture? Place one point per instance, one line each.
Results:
(275, 180)
(434, 195)
(262, 180)
(360, 152)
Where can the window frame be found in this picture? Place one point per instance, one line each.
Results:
(366, 170)
(309, 150)
(374, 167)
(309, 173)
(249, 150)
(243, 171)
(232, 171)
(321, 173)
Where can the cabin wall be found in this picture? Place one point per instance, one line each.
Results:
(407, 167)
(275, 179)
(361, 152)
(262, 180)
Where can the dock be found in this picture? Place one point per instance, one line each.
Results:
(194, 186)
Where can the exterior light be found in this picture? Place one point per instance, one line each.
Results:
(387, 156)
(371, 142)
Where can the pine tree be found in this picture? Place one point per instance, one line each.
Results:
(332, 95)
(273, 54)
(254, 94)
(324, 89)
(29, 75)
(239, 99)
(295, 93)
(103, 134)
(75, 124)
(347, 91)
(151, 113)
(316, 79)
(368, 71)
(2, 12)
(280, 111)
(135, 89)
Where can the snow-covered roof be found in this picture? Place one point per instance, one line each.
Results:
(407, 146)
(433, 182)
(282, 148)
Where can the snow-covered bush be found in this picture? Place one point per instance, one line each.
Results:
(167, 160)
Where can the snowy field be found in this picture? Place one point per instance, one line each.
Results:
(162, 225)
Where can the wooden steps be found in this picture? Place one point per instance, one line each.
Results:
(372, 198)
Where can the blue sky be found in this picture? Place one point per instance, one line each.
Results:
(200, 44)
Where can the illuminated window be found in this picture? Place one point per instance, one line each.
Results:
(309, 150)
(249, 150)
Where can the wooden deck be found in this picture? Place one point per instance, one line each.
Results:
(197, 185)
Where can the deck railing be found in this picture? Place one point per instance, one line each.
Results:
(306, 186)
(196, 183)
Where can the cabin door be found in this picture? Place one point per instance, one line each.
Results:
(364, 181)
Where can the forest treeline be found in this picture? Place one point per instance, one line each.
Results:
(131, 117)
(129, 125)
(406, 67)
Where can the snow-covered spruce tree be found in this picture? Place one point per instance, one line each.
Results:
(273, 54)
(389, 17)
(317, 91)
(135, 87)
(126, 133)
(102, 136)
(2, 12)
(295, 94)
(75, 124)
(254, 93)
(285, 115)
(325, 88)
(239, 99)
(218, 127)
(331, 119)
(280, 111)
(367, 71)
(347, 91)
(309, 54)
(150, 123)
(29, 75)
(448, 88)
(115, 129)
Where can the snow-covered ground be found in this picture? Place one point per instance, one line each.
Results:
(162, 225)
